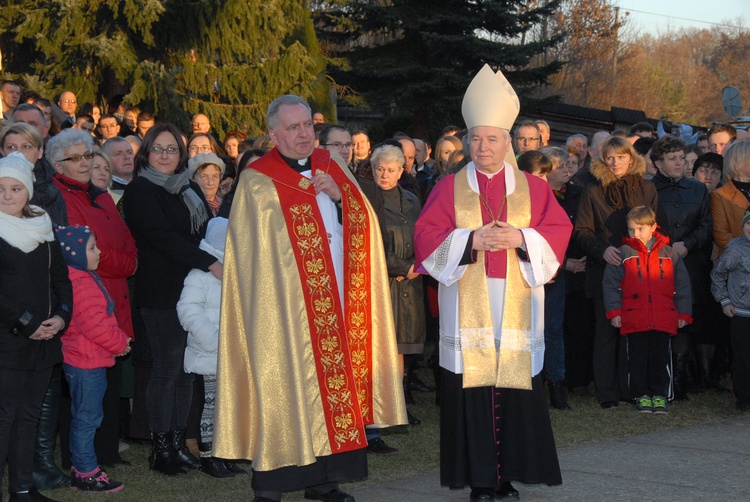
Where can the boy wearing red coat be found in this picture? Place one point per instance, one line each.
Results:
(648, 297)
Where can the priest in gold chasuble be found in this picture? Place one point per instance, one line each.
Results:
(492, 236)
(307, 349)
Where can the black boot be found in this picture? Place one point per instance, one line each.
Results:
(212, 466)
(46, 474)
(558, 395)
(182, 454)
(679, 361)
(711, 378)
(163, 458)
(407, 387)
(234, 467)
(32, 495)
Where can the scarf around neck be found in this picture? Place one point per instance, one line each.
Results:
(26, 233)
(179, 184)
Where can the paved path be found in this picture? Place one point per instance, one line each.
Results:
(700, 463)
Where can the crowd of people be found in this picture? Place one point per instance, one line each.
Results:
(285, 286)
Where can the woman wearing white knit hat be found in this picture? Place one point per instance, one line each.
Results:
(35, 305)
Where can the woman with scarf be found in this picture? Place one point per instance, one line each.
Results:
(168, 215)
(36, 302)
(71, 155)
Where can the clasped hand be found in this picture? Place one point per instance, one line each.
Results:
(48, 329)
(497, 236)
(324, 183)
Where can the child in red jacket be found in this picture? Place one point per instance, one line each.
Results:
(90, 346)
(648, 297)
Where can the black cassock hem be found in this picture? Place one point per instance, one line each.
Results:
(338, 468)
(489, 435)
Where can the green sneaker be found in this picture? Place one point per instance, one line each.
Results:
(660, 405)
(644, 404)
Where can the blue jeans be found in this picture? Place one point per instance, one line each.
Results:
(87, 388)
(554, 339)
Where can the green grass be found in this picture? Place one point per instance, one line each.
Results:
(419, 448)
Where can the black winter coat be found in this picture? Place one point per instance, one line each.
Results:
(407, 296)
(35, 287)
(684, 215)
(167, 247)
(47, 195)
(601, 220)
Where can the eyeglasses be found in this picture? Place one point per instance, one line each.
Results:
(202, 149)
(77, 157)
(170, 150)
(526, 140)
(338, 144)
(71, 101)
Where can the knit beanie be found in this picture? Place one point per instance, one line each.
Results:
(216, 232)
(16, 166)
(746, 217)
(73, 241)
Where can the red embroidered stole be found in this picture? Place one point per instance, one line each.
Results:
(342, 352)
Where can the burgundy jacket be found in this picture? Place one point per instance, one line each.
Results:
(88, 205)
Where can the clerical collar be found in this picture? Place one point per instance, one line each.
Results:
(299, 165)
(490, 176)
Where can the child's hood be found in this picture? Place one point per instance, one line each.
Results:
(208, 248)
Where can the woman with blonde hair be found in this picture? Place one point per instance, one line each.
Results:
(730, 201)
(444, 147)
(601, 224)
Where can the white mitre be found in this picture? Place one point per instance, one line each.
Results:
(491, 101)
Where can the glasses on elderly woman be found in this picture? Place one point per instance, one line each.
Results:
(77, 157)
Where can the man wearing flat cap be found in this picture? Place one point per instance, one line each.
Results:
(492, 236)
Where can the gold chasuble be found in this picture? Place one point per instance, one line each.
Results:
(482, 365)
(300, 373)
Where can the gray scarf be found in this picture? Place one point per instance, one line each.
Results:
(179, 183)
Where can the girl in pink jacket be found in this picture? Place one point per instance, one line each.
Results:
(90, 346)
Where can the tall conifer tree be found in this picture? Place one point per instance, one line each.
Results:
(227, 59)
(416, 58)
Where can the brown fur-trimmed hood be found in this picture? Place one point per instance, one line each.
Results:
(603, 174)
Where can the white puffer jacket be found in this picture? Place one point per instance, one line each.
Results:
(198, 310)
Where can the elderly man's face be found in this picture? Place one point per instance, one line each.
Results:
(488, 147)
(410, 152)
(11, 94)
(293, 134)
(122, 155)
(527, 139)
(201, 123)
(68, 102)
(34, 118)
